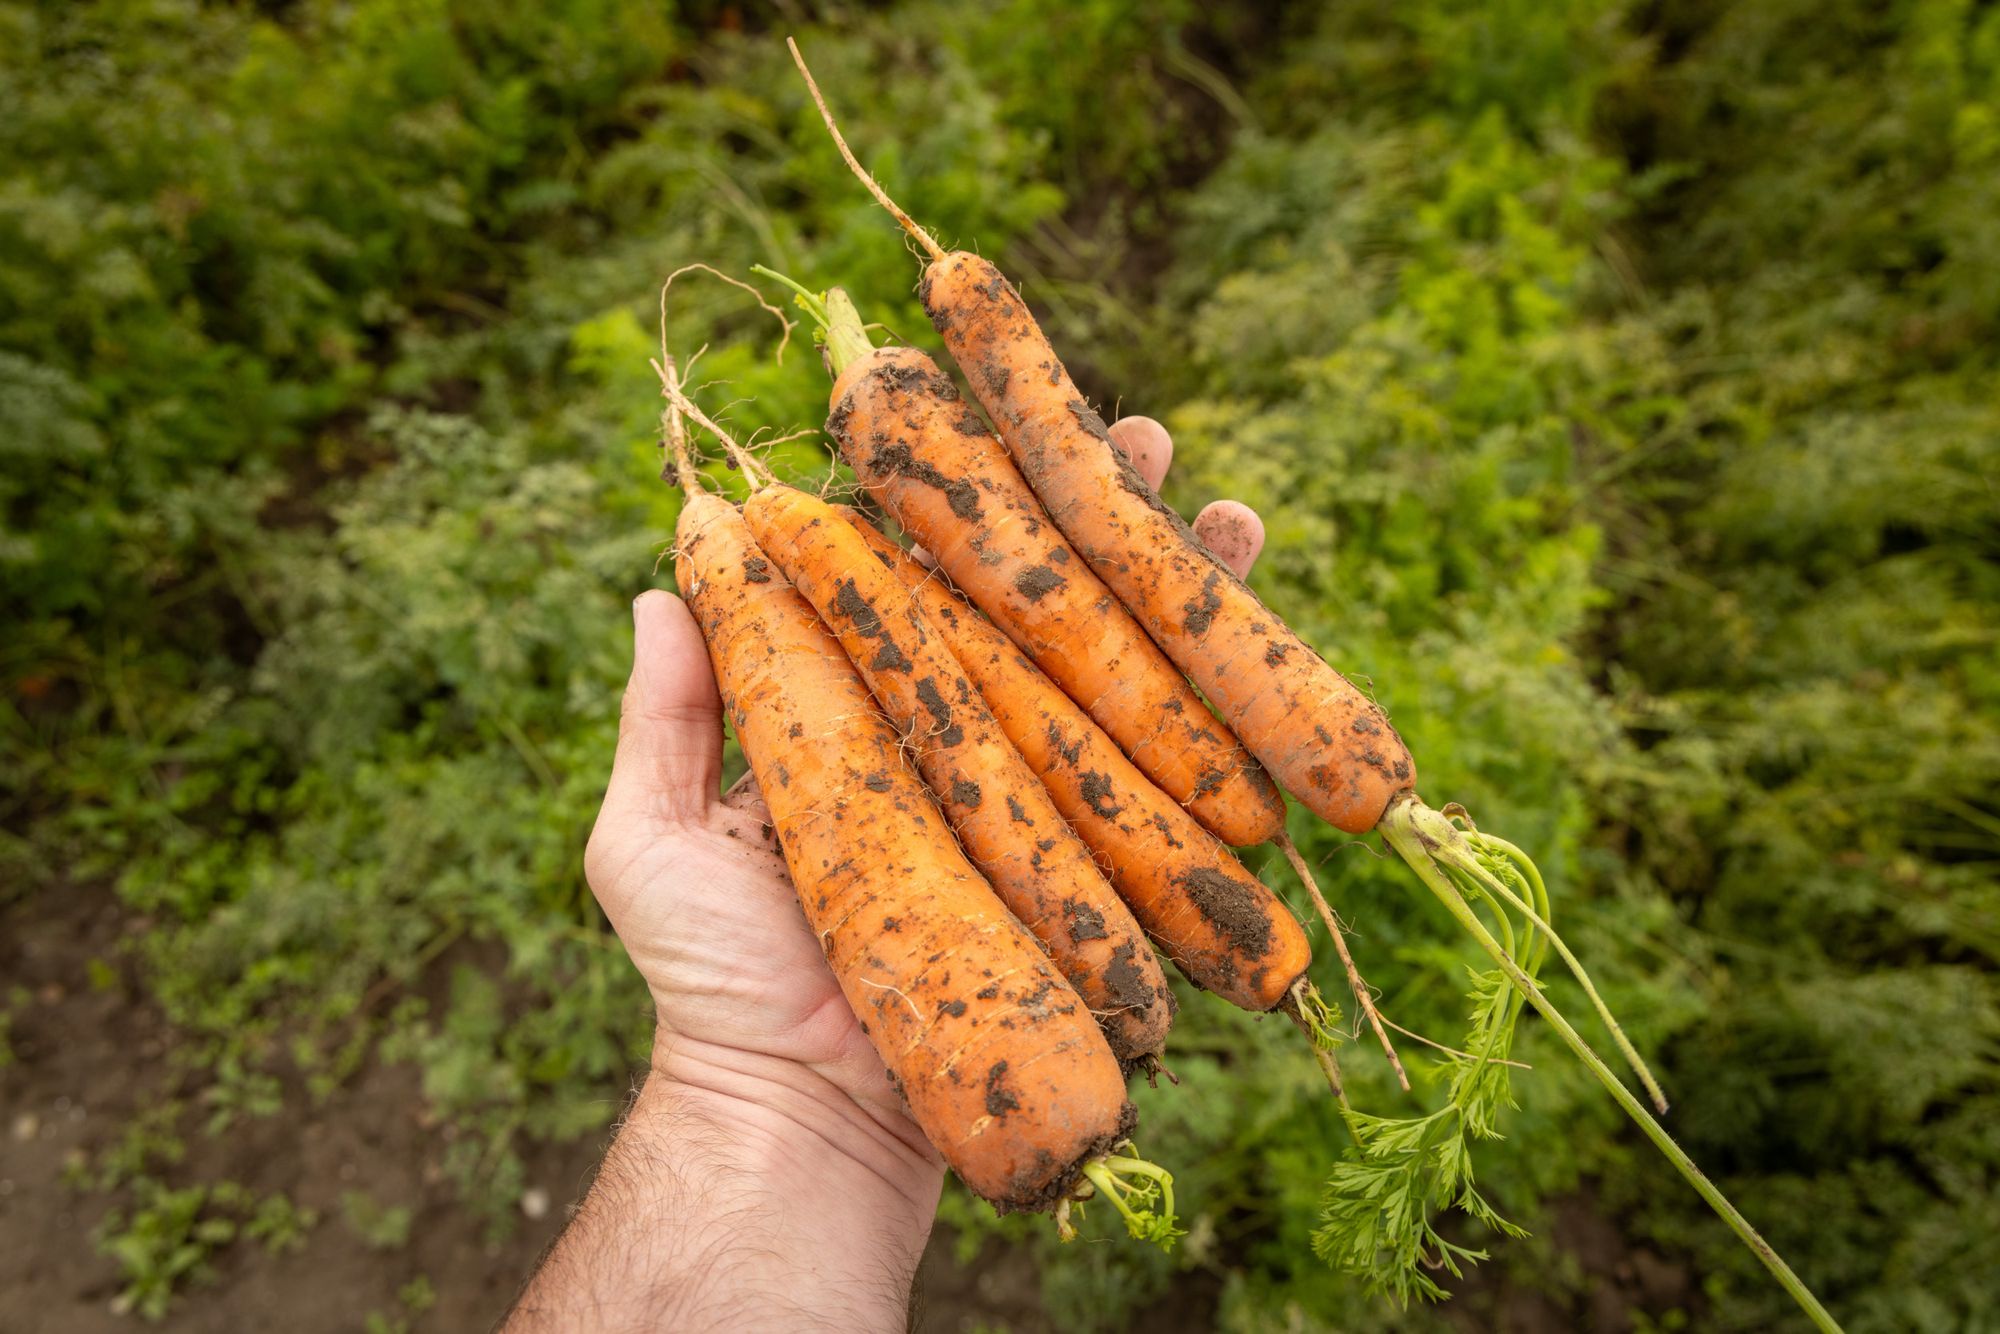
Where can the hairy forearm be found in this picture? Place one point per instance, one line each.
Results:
(740, 1194)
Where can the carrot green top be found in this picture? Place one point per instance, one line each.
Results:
(834, 313)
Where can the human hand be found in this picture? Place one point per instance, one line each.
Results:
(692, 880)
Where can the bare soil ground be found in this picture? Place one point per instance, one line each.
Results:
(86, 1058)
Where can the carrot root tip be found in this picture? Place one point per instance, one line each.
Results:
(1363, 996)
(903, 219)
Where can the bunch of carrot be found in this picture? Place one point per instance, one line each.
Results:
(997, 778)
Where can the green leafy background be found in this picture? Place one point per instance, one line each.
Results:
(1617, 381)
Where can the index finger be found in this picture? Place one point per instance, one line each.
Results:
(1147, 444)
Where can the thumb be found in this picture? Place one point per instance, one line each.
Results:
(669, 762)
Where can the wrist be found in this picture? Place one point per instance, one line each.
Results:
(783, 1126)
(807, 1208)
(743, 1191)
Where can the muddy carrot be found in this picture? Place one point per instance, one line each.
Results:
(928, 458)
(1220, 925)
(1003, 815)
(1003, 1069)
(1317, 733)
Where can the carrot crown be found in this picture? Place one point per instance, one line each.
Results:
(836, 321)
(1141, 1192)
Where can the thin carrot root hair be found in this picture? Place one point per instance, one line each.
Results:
(1364, 996)
(1142, 1192)
(740, 454)
(754, 443)
(673, 427)
(903, 219)
(674, 379)
(680, 403)
(1434, 1045)
(784, 339)
(679, 465)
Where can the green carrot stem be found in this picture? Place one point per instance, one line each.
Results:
(1117, 1163)
(1135, 1201)
(1576, 969)
(1401, 825)
(813, 302)
(1108, 1187)
(834, 312)
(846, 335)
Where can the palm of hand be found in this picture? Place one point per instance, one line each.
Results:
(694, 885)
(692, 880)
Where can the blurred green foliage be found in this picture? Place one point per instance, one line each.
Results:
(1618, 384)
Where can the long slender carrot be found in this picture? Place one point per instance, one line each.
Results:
(929, 459)
(1220, 925)
(1328, 743)
(1007, 1075)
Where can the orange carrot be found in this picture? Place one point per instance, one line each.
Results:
(1002, 1068)
(903, 427)
(929, 459)
(1220, 925)
(1328, 743)
(1004, 818)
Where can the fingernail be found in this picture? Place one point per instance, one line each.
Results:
(642, 622)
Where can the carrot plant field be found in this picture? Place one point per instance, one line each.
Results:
(1619, 386)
